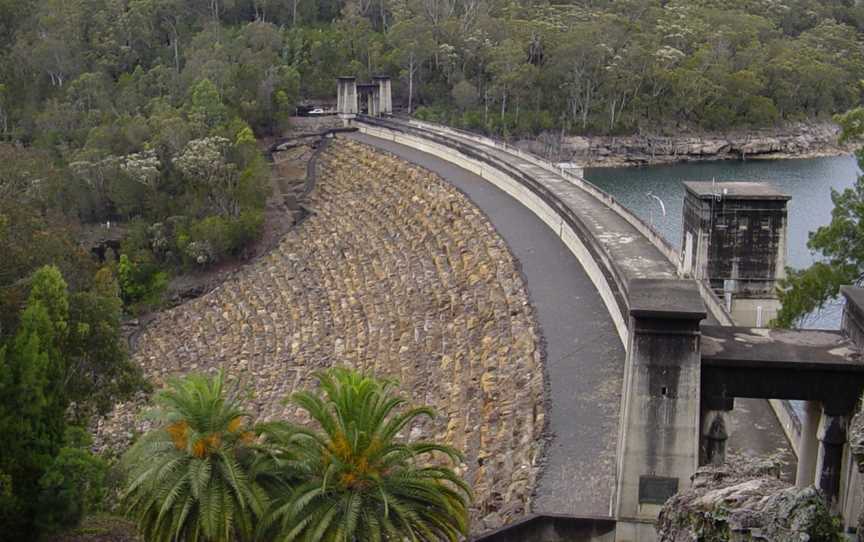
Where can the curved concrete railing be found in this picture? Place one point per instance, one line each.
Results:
(601, 269)
(713, 303)
(647, 230)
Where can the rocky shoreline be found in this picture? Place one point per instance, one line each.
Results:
(799, 140)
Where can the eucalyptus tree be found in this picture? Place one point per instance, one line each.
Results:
(838, 246)
(412, 44)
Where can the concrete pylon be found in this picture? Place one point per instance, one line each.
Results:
(375, 103)
(808, 446)
(715, 438)
(829, 461)
(346, 103)
(384, 93)
(715, 433)
(658, 448)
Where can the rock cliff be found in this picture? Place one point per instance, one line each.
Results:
(802, 140)
(744, 500)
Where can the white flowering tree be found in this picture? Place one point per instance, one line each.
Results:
(109, 178)
(205, 163)
(142, 168)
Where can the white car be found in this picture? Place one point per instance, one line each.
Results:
(316, 111)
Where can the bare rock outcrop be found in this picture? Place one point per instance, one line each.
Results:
(799, 140)
(745, 500)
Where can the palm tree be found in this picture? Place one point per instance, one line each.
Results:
(189, 479)
(356, 479)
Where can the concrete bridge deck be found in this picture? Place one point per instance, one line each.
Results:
(584, 354)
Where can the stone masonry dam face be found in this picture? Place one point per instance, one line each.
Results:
(395, 273)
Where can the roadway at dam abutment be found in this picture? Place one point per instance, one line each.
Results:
(584, 355)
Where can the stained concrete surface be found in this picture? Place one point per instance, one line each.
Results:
(584, 355)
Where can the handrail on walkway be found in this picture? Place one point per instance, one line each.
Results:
(714, 303)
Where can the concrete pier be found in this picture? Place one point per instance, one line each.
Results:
(808, 448)
(346, 104)
(659, 444)
(384, 91)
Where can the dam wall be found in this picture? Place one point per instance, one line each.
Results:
(618, 251)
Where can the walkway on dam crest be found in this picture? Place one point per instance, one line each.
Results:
(584, 356)
(632, 253)
(584, 352)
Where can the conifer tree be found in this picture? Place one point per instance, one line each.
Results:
(32, 400)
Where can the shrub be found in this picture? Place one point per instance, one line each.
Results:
(245, 229)
(473, 120)
(430, 114)
(761, 111)
(215, 238)
(72, 486)
(141, 279)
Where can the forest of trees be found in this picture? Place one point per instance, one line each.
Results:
(148, 114)
(113, 76)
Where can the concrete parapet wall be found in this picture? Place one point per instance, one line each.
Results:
(600, 269)
(648, 231)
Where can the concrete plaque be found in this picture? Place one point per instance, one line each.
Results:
(656, 489)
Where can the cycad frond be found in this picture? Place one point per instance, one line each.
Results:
(356, 479)
(188, 477)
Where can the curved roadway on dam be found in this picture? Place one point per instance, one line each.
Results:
(584, 355)
(584, 358)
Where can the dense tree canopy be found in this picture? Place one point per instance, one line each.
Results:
(145, 115)
(95, 73)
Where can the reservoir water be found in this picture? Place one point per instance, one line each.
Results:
(808, 181)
